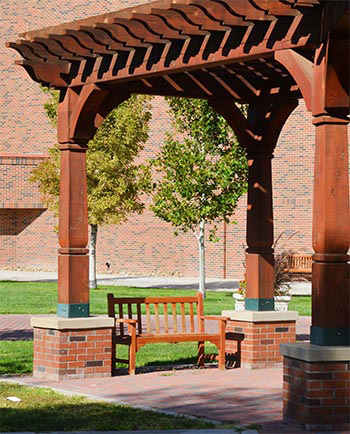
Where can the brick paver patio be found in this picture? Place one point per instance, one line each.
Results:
(241, 395)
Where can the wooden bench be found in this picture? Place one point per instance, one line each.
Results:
(300, 263)
(162, 323)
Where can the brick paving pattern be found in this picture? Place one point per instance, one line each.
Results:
(242, 396)
(239, 396)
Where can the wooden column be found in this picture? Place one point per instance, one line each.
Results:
(258, 133)
(80, 112)
(73, 261)
(259, 254)
(331, 228)
(331, 220)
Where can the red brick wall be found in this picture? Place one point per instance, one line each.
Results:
(316, 394)
(260, 347)
(67, 354)
(144, 244)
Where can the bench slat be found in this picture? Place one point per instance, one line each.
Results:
(148, 318)
(121, 315)
(156, 312)
(166, 319)
(173, 308)
(191, 317)
(178, 337)
(139, 318)
(129, 310)
(183, 318)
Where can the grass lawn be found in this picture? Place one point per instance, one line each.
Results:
(301, 304)
(16, 357)
(37, 297)
(41, 297)
(46, 410)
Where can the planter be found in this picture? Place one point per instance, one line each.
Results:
(239, 301)
(281, 302)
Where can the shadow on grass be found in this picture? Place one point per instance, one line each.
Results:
(89, 416)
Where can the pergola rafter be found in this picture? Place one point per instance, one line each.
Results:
(152, 39)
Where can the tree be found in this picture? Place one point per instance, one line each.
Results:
(114, 181)
(202, 176)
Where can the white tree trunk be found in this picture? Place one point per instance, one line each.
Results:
(92, 257)
(201, 258)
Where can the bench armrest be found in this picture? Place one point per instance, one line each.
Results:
(126, 321)
(215, 318)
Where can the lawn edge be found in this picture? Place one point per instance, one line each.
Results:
(115, 401)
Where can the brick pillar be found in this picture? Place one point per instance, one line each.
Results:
(316, 375)
(68, 348)
(263, 334)
(316, 386)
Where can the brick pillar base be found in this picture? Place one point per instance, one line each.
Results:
(72, 348)
(264, 331)
(316, 386)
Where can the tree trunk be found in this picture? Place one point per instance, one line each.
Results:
(92, 257)
(201, 259)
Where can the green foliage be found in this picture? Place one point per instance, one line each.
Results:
(114, 181)
(50, 106)
(204, 175)
(47, 175)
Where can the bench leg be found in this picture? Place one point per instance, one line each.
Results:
(222, 345)
(200, 354)
(132, 356)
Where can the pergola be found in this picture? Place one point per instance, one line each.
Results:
(266, 54)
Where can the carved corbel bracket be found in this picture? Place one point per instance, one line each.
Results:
(82, 110)
(259, 132)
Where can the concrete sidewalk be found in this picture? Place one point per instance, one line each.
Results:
(173, 282)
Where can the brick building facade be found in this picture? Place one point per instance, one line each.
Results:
(144, 244)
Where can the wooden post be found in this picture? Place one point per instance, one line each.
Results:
(73, 262)
(80, 112)
(331, 220)
(258, 134)
(259, 254)
(331, 228)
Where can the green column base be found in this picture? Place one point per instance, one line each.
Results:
(76, 310)
(259, 304)
(329, 336)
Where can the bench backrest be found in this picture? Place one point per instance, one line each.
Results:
(157, 315)
(300, 263)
